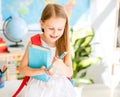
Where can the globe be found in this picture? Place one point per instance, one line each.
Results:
(14, 29)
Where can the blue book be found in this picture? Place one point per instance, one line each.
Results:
(39, 56)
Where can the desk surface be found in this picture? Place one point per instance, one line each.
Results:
(95, 90)
(10, 88)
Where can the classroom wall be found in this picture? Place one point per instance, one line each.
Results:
(103, 17)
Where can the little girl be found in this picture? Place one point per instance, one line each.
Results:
(55, 36)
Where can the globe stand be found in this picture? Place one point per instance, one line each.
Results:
(16, 45)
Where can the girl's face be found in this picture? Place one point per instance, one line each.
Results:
(53, 28)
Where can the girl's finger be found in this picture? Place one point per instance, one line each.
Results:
(43, 67)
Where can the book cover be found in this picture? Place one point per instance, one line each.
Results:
(39, 56)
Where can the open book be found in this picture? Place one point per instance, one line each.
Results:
(39, 56)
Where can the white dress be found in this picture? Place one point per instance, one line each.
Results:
(57, 86)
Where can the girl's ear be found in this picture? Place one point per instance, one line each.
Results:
(42, 24)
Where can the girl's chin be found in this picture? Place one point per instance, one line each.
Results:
(53, 40)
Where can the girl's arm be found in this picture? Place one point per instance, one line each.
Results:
(25, 69)
(68, 64)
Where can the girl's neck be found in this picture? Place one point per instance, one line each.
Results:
(47, 41)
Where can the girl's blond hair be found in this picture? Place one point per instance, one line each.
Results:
(56, 10)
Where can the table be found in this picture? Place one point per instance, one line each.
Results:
(99, 90)
(95, 90)
(10, 88)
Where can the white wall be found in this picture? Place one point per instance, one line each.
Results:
(103, 19)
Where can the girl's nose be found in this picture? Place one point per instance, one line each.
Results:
(55, 32)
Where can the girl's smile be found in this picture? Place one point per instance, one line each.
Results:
(53, 37)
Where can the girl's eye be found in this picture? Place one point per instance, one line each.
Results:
(59, 29)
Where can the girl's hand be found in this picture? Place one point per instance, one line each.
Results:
(57, 62)
(44, 71)
(58, 66)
